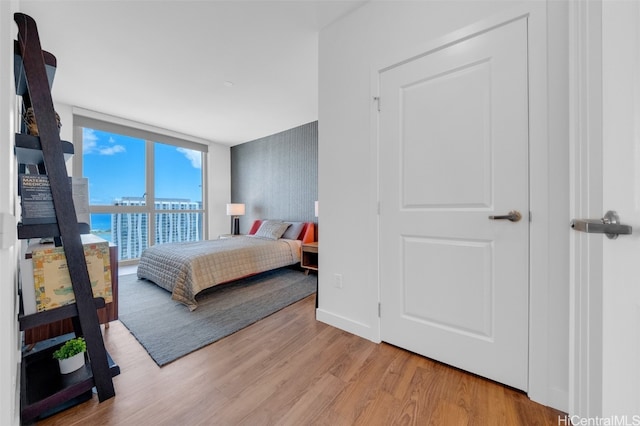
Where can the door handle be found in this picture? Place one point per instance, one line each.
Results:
(513, 216)
(609, 225)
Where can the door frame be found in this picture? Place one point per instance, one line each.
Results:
(587, 47)
(586, 267)
(542, 270)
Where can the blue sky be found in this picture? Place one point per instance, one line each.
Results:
(114, 166)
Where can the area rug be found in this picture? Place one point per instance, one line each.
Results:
(168, 330)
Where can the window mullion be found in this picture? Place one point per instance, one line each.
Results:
(151, 197)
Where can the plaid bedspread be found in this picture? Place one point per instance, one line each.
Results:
(185, 269)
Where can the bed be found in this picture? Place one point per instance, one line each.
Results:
(187, 268)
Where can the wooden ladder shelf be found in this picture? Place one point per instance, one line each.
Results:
(101, 368)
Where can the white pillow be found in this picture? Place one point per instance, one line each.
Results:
(293, 231)
(271, 229)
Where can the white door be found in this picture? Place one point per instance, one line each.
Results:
(453, 151)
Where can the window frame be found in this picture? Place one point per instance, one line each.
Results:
(151, 136)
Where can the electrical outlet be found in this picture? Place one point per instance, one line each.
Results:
(337, 280)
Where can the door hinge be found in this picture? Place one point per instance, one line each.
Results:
(377, 99)
(379, 310)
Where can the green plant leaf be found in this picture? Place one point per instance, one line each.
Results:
(70, 348)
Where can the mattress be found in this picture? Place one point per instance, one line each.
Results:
(187, 268)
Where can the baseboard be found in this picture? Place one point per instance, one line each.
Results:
(354, 327)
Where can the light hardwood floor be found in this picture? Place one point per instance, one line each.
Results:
(290, 369)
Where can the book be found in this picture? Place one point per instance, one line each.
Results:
(27, 288)
(51, 279)
(37, 202)
(80, 192)
(36, 199)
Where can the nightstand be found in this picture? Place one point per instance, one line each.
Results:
(223, 236)
(309, 258)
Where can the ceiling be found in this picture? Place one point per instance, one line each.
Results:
(225, 71)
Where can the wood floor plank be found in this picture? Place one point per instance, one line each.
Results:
(280, 385)
(382, 410)
(289, 369)
(312, 404)
(399, 373)
(448, 413)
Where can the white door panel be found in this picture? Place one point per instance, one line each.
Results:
(467, 179)
(438, 302)
(453, 151)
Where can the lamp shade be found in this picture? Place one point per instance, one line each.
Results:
(235, 209)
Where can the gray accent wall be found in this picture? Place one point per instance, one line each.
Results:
(276, 177)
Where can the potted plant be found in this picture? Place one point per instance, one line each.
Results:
(70, 356)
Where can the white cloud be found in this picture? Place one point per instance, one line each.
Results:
(89, 141)
(91, 144)
(195, 157)
(111, 150)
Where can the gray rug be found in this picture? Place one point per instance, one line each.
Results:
(168, 330)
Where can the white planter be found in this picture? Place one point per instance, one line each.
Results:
(72, 364)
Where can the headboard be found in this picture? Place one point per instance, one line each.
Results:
(307, 235)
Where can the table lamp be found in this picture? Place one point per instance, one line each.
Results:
(235, 210)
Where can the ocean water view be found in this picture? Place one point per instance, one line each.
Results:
(101, 226)
(103, 235)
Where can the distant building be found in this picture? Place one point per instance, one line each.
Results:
(129, 231)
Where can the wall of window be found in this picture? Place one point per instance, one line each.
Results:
(145, 188)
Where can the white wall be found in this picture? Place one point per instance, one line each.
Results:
(351, 51)
(218, 188)
(9, 335)
(66, 131)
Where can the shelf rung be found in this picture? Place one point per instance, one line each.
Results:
(46, 230)
(57, 314)
(29, 150)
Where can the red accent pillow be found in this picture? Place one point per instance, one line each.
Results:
(255, 227)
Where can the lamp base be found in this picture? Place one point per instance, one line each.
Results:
(235, 229)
